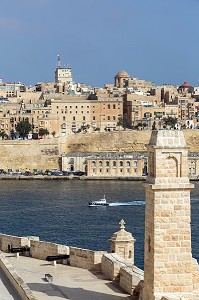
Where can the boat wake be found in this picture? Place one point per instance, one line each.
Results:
(133, 203)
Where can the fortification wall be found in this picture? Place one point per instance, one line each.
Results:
(22, 289)
(41, 250)
(86, 259)
(29, 154)
(46, 153)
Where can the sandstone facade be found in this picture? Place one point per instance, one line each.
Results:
(168, 264)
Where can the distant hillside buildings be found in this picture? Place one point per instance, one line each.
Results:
(65, 107)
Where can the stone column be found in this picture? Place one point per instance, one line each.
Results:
(168, 258)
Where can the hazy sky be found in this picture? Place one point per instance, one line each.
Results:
(154, 40)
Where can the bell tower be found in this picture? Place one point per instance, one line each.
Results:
(168, 258)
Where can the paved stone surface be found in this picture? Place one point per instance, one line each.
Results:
(68, 282)
(6, 290)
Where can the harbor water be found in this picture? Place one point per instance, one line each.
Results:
(58, 211)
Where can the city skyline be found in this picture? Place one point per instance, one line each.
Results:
(154, 41)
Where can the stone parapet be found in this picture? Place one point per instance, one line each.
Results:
(8, 241)
(41, 250)
(130, 277)
(195, 272)
(20, 287)
(86, 259)
(111, 265)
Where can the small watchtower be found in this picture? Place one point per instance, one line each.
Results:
(122, 243)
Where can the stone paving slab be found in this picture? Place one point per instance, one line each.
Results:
(68, 282)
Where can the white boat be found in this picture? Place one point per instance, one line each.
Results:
(101, 202)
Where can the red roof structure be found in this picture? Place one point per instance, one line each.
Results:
(185, 85)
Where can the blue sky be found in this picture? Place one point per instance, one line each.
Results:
(150, 39)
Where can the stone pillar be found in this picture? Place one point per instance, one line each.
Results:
(122, 243)
(168, 257)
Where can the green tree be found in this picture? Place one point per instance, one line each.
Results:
(3, 135)
(170, 121)
(43, 131)
(124, 121)
(23, 128)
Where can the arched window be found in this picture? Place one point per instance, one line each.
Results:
(135, 163)
(107, 163)
(121, 163)
(128, 164)
(93, 163)
(114, 163)
(100, 163)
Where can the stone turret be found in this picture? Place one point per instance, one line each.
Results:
(122, 243)
(169, 271)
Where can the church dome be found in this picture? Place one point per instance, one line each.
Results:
(122, 74)
(185, 85)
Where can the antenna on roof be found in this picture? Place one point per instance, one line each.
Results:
(58, 61)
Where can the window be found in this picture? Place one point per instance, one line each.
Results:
(93, 118)
(64, 118)
(84, 118)
(121, 170)
(107, 170)
(100, 163)
(113, 106)
(135, 163)
(109, 118)
(93, 163)
(100, 170)
(114, 118)
(128, 170)
(109, 106)
(114, 163)
(107, 163)
(121, 163)
(128, 164)
(73, 118)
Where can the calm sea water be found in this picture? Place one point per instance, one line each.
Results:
(58, 211)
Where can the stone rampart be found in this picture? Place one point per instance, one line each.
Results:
(16, 281)
(195, 272)
(46, 153)
(86, 259)
(130, 277)
(13, 241)
(41, 250)
(30, 154)
(111, 265)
